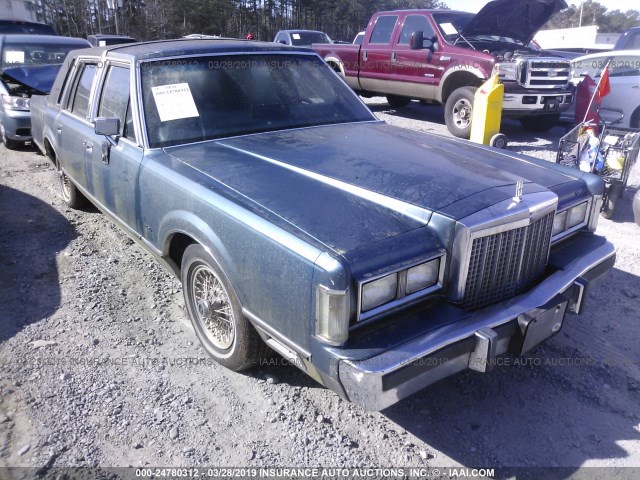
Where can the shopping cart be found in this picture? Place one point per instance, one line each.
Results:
(617, 151)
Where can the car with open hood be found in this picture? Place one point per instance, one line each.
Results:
(28, 64)
(443, 56)
(376, 259)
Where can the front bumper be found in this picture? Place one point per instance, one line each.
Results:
(515, 326)
(535, 102)
(17, 124)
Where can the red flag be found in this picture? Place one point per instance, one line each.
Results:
(603, 86)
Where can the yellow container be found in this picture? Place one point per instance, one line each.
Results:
(487, 111)
(615, 159)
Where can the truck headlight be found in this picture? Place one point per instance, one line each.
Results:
(570, 218)
(15, 103)
(506, 71)
(332, 315)
(423, 276)
(379, 291)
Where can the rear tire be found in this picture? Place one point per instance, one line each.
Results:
(458, 111)
(540, 123)
(397, 101)
(69, 192)
(216, 313)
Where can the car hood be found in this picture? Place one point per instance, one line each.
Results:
(347, 185)
(517, 19)
(39, 78)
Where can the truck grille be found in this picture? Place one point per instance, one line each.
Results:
(505, 264)
(549, 73)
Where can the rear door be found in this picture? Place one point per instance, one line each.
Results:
(624, 96)
(73, 124)
(375, 53)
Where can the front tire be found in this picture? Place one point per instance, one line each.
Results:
(8, 142)
(458, 111)
(540, 123)
(396, 101)
(216, 313)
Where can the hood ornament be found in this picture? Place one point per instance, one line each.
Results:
(519, 188)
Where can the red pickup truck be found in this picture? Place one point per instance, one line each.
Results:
(442, 56)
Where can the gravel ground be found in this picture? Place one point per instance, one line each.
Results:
(99, 364)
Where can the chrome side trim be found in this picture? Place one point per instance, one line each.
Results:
(502, 217)
(270, 331)
(418, 214)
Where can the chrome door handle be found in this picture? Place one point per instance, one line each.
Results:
(59, 128)
(394, 55)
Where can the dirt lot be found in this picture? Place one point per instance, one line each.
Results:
(99, 364)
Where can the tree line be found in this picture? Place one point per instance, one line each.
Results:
(340, 19)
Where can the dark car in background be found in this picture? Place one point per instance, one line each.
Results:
(28, 64)
(23, 27)
(629, 40)
(103, 40)
(301, 38)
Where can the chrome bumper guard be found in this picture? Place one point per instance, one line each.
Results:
(514, 326)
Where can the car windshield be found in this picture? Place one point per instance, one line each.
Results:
(25, 54)
(451, 24)
(203, 98)
(307, 38)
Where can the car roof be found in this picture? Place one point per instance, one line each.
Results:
(19, 38)
(185, 47)
(107, 35)
(301, 30)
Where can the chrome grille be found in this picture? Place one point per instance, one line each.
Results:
(546, 73)
(504, 264)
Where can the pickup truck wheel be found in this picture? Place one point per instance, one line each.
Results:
(70, 193)
(458, 110)
(397, 101)
(8, 142)
(540, 123)
(216, 313)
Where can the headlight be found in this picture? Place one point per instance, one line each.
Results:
(558, 223)
(506, 71)
(570, 218)
(379, 291)
(332, 315)
(576, 215)
(423, 276)
(15, 103)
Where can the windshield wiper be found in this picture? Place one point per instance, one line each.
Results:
(460, 36)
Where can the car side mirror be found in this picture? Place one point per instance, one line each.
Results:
(108, 126)
(417, 41)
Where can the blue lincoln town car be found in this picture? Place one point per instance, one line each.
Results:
(377, 259)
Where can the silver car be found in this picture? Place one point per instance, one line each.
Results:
(621, 106)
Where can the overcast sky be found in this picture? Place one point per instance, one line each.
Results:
(475, 5)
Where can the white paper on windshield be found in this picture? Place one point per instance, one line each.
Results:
(102, 43)
(174, 102)
(448, 28)
(296, 36)
(13, 56)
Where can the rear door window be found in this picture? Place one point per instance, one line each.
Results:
(384, 29)
(79, 98)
